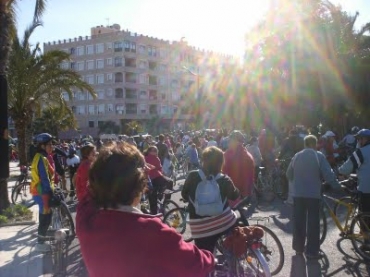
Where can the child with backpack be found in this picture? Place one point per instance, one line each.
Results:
(208, 190)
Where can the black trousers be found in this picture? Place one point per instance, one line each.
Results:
(160, 184)
(306, 225)
(364, 206)
(44, 222)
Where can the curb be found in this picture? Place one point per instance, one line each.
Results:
(28, 223)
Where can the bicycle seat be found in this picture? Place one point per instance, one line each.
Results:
(262, 168)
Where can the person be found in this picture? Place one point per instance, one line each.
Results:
(305, 171)
(211, 142)
(162, 149)
(88, 153)
(42, 186)
(328, 147)
(73, 161)
(254, 150)
(116, 238)
(159, 181)
(58, 155)
(206, 229)
(192, 153)
(359, 161)
(239, 164)
(291, 145)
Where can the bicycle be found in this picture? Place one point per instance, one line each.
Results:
(21, 190)
(271, 247)
(356, 226)
(164, 205)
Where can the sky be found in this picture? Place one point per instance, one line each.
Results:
(217, 25)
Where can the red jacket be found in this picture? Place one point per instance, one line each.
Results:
(118, 243)
(82, 179)
(154, 160)
(239, 166)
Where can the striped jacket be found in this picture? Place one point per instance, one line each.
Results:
(42, 174)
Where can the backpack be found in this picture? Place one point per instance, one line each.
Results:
(208, 200)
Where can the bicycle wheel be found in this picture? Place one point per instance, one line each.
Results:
(58, 259)
(258, 266)
(177, 218)
(166, 206)
(21, 194)
(66, 219)
(341, 210)
(272, 250)
(360, 235)
(323, 225)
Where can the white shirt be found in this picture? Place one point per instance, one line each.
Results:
(212, 143)
(75, 160)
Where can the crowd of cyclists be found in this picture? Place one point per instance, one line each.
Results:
(235, 155)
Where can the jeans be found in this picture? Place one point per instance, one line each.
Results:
(306, 225)
(160, 184)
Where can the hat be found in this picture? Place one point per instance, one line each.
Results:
(363, 133)
(329, 134)
(237, 135)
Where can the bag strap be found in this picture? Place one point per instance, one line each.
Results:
(202, 175)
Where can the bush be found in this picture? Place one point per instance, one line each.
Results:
(3, 219)
(16, 211)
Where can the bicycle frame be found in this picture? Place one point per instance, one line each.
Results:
(349, 206)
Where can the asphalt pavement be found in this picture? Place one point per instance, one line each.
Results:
(18, 258)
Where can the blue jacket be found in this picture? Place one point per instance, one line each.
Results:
(359, 161)
(306, 170)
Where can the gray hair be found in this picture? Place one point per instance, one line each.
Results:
(310, 141)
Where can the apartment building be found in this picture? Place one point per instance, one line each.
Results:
(135, 77)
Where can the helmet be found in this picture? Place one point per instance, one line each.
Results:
(329, 134)
(355, 130)
(364, 133)
(44, 138)
(237, 135)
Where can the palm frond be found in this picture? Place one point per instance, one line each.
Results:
(40, 8)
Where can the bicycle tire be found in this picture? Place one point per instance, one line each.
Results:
(337, 209)
(357, 233)
(58, 259)
(66, 214)
(262, 264)
(267, 251)
(17, 192)
(323, 225)
(177, 219)
(169, 205)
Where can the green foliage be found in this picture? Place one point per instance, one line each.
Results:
(3, 219)
(16, 211)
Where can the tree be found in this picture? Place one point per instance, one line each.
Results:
(36, 81)
(132, 127)
(7, 33)
(55, 119)
(108, 127)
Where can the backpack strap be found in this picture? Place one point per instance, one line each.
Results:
(202, 175)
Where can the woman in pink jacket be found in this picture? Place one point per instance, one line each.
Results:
(116, 238)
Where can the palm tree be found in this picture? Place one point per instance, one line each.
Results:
(37, 81)
(55, 119)
(7, 33)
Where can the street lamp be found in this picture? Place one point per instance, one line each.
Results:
(199, 96)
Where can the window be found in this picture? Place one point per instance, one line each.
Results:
(81, 109)
(118, 77)
(90, 65)
(109, 108)
(152, 65)
(117, 61)
(143, 94)
(65, 96)
(91, 109)
(143, 78)
(153, 109)
(91, 124)
(100, 78)
(142, 49)
(109, 61)
(109, 77)
(100, 108)
(80, 51)
(164, 110)
(143, 108)
(81, 95)
(162, 52)
(119, 93)
(100, 123)
(131, 94)
(152, 51)
(89, 49)
(89, 96)
(153, 95)
(152, 80)
(162, 67)
(120, 109)
(89, 79)
(130, 46)
(73, 65)
(99, 64)
(100, 48)
(118, 45)
(162, 81)
(64, 65)
(100, 94)
(175, 96)
(142, 64)
(80, 66)
(108, 45)
(109, 92)
(163, 96)
(131, 108)
(174, 83)
(72, 51)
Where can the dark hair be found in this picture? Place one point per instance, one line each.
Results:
(213, 159)
(150, 148)
(117, 176)
(86, 150)
(161, 138)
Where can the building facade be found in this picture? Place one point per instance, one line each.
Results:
(135, 77)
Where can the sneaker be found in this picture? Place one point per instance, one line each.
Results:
(43, 247)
